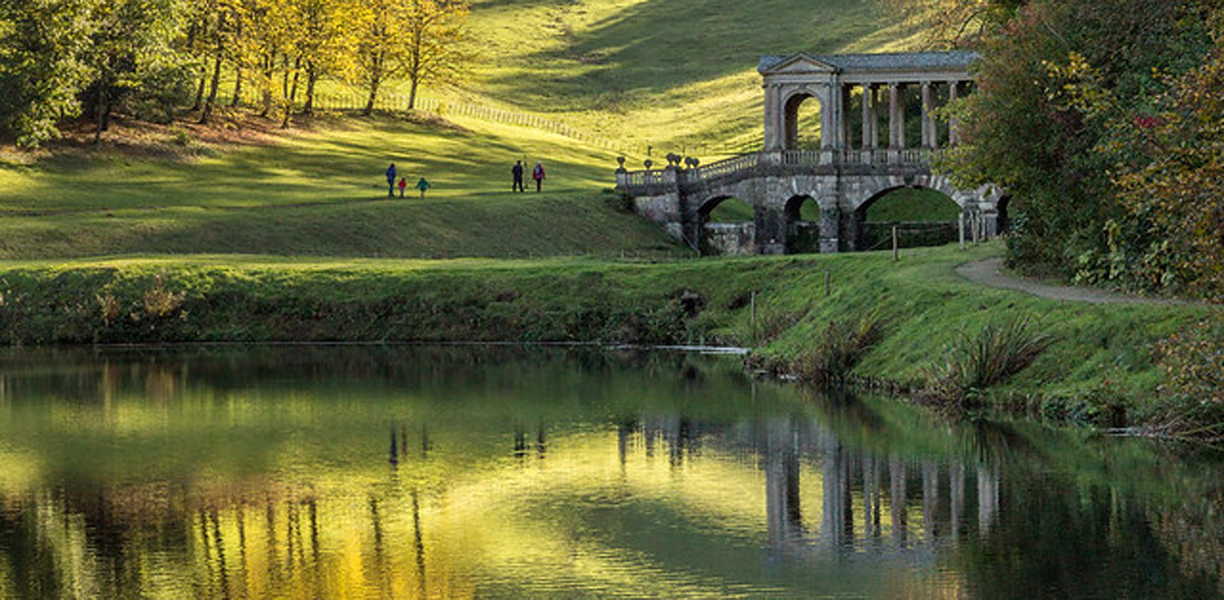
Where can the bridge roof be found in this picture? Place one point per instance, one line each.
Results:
(878, 63)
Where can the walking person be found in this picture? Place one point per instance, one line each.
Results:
(538, 175)
(517, 171)
(423, 185)
(391, 181)
(402, 184)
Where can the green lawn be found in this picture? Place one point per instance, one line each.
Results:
(324, 193)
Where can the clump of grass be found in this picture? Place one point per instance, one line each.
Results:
(841, 347)
(975, 363)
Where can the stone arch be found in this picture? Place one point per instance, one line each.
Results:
(802, 215)
(1005, 217)
(791, 117)
(874, 190)
(726, 238)
(861, 234)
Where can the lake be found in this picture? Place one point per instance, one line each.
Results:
(503, 472)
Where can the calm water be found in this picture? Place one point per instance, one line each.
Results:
(342, 472)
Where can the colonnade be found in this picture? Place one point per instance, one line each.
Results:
(878, 101)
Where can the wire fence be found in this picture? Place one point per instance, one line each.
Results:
(345, 101)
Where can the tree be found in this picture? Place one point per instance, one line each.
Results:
(131, 58)
(1051, 87)
(381, 50)
(324, 43)
(42, 43)
(955, 23)
(418, 39)
(1175, 180)
(436, 33)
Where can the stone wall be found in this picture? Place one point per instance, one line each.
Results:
(728, 239)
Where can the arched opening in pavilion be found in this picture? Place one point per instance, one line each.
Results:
(803, 122)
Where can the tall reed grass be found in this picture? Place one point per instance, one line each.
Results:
(977, 362)
(841, 347)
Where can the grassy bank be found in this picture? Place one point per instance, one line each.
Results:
(924, 304)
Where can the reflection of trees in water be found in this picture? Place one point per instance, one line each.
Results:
(836, 484)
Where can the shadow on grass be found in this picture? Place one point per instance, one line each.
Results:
(658, 46)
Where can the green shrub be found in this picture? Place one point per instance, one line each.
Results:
(841, 347)
(976, 363)
(1193, 364)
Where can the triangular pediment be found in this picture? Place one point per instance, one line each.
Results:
(799, 63)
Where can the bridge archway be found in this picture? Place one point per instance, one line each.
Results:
(803, 220)
(1005, 216)
(727, 226)
(803, 121)
(923, 216)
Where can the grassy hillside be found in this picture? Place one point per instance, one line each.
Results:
(676, 76)
(655, 72)
(321, 193)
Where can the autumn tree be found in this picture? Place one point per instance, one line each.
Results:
(1174, 179)
(436, 30)
(1052, 86)
(381, 48)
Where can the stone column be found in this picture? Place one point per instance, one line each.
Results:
(869, 124)
(774, 113)
(896, 116)
(953, 94)
(875, 117)
(930, 136)
(828, 117)
(843, 117)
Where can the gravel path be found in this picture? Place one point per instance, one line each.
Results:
(989, 272)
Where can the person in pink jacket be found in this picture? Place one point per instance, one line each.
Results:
(538, 175)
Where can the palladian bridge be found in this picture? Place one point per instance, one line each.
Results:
(844, 174)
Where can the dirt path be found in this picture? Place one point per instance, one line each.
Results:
(989, 272)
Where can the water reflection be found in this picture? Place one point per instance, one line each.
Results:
(338, 472)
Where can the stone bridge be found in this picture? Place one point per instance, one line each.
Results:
(842, 177)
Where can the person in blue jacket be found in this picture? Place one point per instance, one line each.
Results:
(391, 181)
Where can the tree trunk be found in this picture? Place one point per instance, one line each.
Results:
(297, 71)
(414, 72)
(375, 81)
(369, 107)
(312, 76)
(237, 99)
(199, 97)
(212, 91)
(269, 64)
(99, 116)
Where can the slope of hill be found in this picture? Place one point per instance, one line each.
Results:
(675, 75)
(680, 72)
(323, 193)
